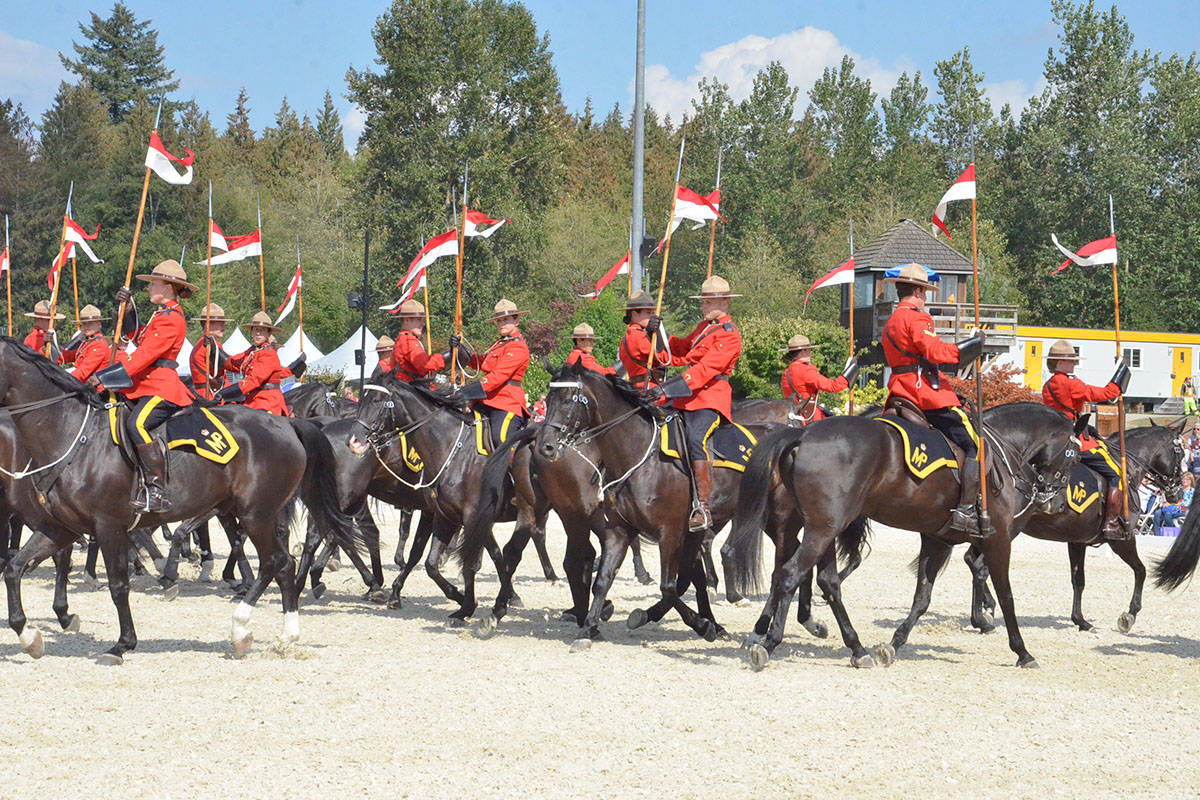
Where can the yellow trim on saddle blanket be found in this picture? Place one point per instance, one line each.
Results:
(410, 456)
(1102, 449)
(484, 447)
(216, 445)
(1079, 499)
(918, 460)
(664, 444)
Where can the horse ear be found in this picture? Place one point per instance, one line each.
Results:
(1082, 423)
(546, 365)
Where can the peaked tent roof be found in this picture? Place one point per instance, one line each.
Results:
(236, 342)
(185, 354)
(905, 242)
(291, 349)
(341, 360)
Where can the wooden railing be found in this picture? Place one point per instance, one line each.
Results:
(956, 320)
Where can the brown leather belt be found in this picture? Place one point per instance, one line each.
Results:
(266, 386)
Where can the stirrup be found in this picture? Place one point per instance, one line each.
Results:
(700, 520)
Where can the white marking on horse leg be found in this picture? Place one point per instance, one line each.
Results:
(291, 626)
(241, 618)
(27, 636)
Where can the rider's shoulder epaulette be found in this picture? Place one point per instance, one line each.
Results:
(729, 327)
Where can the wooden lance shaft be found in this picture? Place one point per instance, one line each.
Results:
(54, 292)
(428, 334)
(458, 273)
(75, 287)
(662, 282)
(853, 276)
(137, 232)
(983, 497)
(8, 277)
(1120, 397)
(300, 301)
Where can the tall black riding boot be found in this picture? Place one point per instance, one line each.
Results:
(701, 518)
(965, 517)
(154, 468)
(1115, 529)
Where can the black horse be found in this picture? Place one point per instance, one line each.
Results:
(84, 482)
(845, 470)
(1153, 451)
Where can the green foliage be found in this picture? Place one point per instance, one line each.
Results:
(760, 368)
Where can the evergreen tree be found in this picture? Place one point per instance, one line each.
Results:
(238, 129)
(329, 132)
(121, 58)
(962, 120)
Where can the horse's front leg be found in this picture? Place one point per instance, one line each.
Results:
(1127, 550)
(981, 615)
(932, 558)
(62, 569)
(1076, 553)
(38, 547)
(114, 546)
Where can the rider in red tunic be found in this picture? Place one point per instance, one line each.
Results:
(702, 392)
(1066, 393)
(92, 354)
(499, 391)
(634, 351)
(209, 362)
(148, 376)
(585, 340)
(802, 380)
(383, 351)
(914, 352)
(261, 371)
(410, 362)
(36, 339)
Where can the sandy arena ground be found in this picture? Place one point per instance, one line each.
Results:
(395, 704)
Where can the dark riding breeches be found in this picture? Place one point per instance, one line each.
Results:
(504, 424)
(954, 423)
(148, 413)
(1097, 464)
(696, 426)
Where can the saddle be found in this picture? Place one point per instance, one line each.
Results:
(926, 450)
(897, 406)
(193, 428)
(483, 432)
(729, 445)
(1083, 488)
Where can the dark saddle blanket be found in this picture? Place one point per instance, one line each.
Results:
(1083, 489)
(926, 450)
(194, 428)
(729, 444)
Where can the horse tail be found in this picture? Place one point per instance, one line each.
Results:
(745, 541)
(318, 491)
(478, 524)
(1180, 561)
(853, 541)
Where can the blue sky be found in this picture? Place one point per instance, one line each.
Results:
(300, 48)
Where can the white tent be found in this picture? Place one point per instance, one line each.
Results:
(185, 354)
(291, 349)
(236, 343)
(341, 360)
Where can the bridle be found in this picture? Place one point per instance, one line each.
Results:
(1037, 486)
(380, 440)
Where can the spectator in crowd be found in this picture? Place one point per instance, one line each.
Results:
(1168, 515)
(1192, 451)
(539, 409)
(1188, 392)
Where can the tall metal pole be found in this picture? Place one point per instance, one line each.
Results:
(1112, 230)
(712, 234)
(362, 366)
(853, 277)
(637, 226)
(8, 276)
(983, 498)
(262, 281)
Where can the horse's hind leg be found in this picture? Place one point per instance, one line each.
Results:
(981, 615)
(831, 587)
(442, 534)
(1077, 554)
(114, 546)
(934, 553)
(204, 546)
(424, 530)
(614, 543)
(89, 564)
(539, 543)
(997, 549)
(405, 529)
(710, 569)
(374, 578)
(1127, 550)
(271, 560)
(38, 547)
(237, 556)
(639, 566)
(577, 566)
(62, 568)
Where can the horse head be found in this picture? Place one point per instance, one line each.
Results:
(1158, 451)
(568, 410)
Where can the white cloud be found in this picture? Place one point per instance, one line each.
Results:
(353, 122)
(804, 54)
(29, 73)
(1015, 92)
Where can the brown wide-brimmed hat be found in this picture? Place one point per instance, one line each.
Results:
(714, 288)
(1062, 350)
(914, 274)
(170, 272)
(505, 308)
(412, 308)
(212, 313)
(90, 313)
(797, 343)
(261, 319)
(41, 310)
(384, 343)
(583, 331)
(639, 300)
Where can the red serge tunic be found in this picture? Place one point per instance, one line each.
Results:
(801, 380)
(503, 367)
(199, 366)
(160, 339)
(409, 359)
(710, 353)
(907, 335)
(261, 374)
(589, 361)
(635, 355)
(1067, 394)
(91, 356)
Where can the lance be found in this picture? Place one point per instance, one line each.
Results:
(8, 276)
(262, 284)
(62, 242)
(712, 234)
(1112, 230)
(300, 294)
(983, 497)
(74, 274)
(211, 352)
(850, 397)
(428, 340)
(458, 268)
(362, 359)
(662, 278)
(137, 232)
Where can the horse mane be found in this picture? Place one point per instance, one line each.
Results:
(54, 374)
(439, 397)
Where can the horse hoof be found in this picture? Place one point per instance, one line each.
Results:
(710, 631)
(32, 643)
(91, 581)
(1030, 664)
(1125, 622)
(989, 622)
(333, 565)
(817, 629)
(171, 592)
(607, 612)
(395, 603)
(455, 622)
(109, 660)
(515, 601)
(318, 590)
(759, 658)
(581, 645)
(570, 616)
(865, 661)
(486, 627)
(637, 619)
(206, 572)
(741, 602)
(886, 654)
(242, 646)
(377, 596)
(72, 625)
(644, 579)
